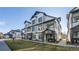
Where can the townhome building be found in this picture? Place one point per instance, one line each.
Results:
(17, 34)
(73, 25)
(43, 27)
(7, 35)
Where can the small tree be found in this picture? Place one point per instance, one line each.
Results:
(1, 35)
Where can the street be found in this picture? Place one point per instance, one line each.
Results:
(3, 46)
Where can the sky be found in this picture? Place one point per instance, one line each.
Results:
(14, 17)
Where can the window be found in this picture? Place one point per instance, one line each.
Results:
(40, 27)
(40, 19)
(33, 22)
(29, 29)
(76, 19)
(40, 36)
(33, 28)
(50, 25)
(76, 35)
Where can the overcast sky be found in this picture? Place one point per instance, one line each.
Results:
(13, 18)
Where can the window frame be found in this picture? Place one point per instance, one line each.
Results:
(75, 19)
(33, 28)
(39, 19)
(33, 21)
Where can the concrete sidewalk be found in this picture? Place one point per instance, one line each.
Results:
(3, 46)
(62, 42)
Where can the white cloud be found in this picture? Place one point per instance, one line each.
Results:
(2, 23)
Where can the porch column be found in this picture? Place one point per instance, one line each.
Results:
(44, 38)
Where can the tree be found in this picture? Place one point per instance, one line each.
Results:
(1, 35)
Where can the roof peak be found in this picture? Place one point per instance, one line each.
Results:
(36, 12)
(26, 21)
(74, 9)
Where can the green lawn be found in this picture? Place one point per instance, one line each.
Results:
(21, 45)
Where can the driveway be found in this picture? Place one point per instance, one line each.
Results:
(3, 45)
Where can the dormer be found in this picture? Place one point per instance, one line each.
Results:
(38, 17)
(27, 23)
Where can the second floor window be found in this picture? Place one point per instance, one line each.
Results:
(33, 22)
(76, 19)
(50, 25)
(39, 19)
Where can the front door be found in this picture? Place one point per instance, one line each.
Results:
(49, 37)
(75, 37)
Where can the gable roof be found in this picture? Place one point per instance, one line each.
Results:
(37, 12)
(75, 9)
(7, 34)
(27, 22)
(15, 31)
(53, 32)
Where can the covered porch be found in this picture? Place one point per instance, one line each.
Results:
(29, 36)
(49, 35)
(75, 35)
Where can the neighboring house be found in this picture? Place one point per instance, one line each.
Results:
(7, 35)
(43, 27)
(73, 25)
(15, 33)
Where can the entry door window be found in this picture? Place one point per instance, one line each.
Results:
(49, 36)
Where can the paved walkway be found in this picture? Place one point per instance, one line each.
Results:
(62, 42)
(3, 46)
